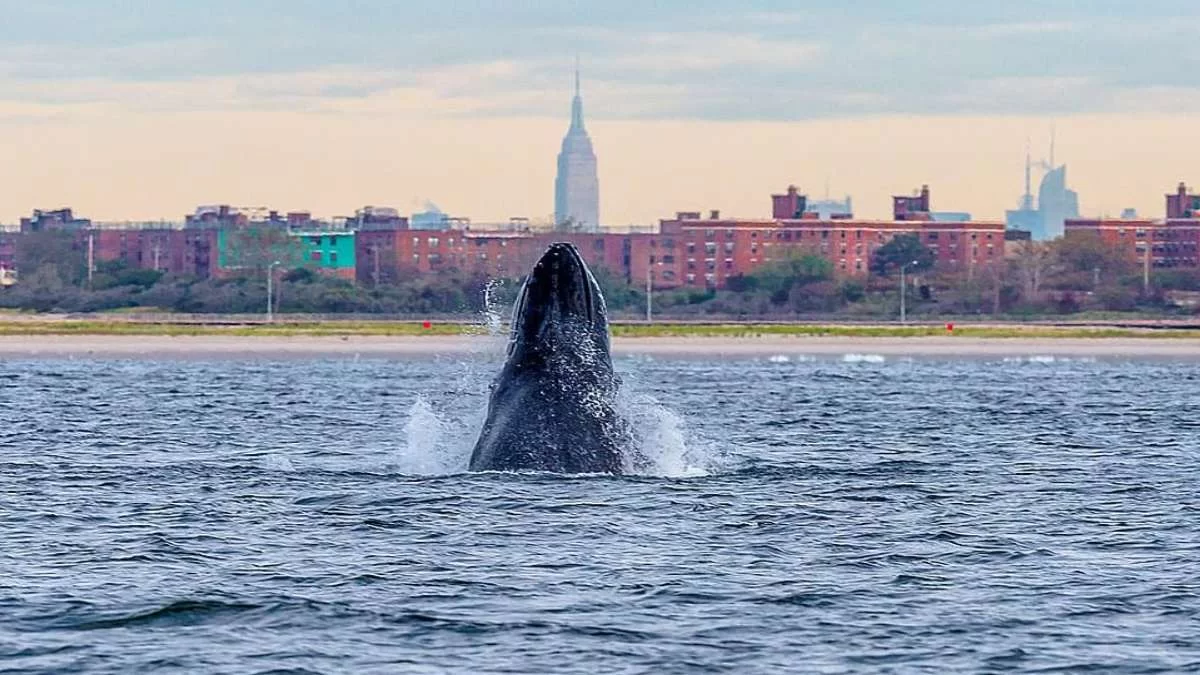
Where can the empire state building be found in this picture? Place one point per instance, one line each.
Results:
(577, 189)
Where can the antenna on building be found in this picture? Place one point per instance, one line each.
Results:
(1027, 197)
(577, 74)
(1053, 166)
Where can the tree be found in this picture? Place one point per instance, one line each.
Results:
(1033, 262)
(1088, 252)
(253, 249)
(62, 250)
(778, 277)
(903, 249)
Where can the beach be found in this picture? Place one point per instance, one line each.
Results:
(218, 346)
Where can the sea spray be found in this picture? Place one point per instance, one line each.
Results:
(428, 448)
(660, 446)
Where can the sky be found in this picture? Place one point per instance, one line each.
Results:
(145, 110)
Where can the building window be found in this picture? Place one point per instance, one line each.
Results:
(315, 256)
(710, 248)
(729, 247)
(433, 242)
(709, 235)
(933, 236)
(598, 245)
(668, 259)
(729, 263)
(333, 257)
(824, 234)
(691, 247)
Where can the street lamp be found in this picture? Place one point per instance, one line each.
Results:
(903, 289)
(270, 293)
(649, 290)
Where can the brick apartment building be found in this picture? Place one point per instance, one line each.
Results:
(696, 251)
(376, 246)
(1170, 242)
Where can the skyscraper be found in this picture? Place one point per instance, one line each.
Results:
(577, 189)
(1056, 203)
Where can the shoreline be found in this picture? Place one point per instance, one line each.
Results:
(209, 346)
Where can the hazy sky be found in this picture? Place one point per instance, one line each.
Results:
(144, 110)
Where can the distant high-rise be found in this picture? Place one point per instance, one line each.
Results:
(577, 188)
(1055, 202)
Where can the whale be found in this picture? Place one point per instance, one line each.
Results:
(552, 408)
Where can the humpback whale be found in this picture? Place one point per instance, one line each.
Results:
(553, 405)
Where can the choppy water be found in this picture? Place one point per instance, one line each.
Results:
(853, 514)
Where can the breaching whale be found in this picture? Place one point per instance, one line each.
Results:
(553, 405)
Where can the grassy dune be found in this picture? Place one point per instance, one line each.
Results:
(33, 327)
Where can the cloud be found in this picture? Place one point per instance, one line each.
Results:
(705, 59)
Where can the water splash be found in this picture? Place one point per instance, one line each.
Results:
(491, 308)
(660, 445)
(430, 447)
(439, 444)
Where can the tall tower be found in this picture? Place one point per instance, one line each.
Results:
(577, 188)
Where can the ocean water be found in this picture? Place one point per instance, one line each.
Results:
(848, 514)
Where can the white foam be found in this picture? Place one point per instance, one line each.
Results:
(430, 447)
(863, 358)
(661, 447)
(780, 358)
(278, 463)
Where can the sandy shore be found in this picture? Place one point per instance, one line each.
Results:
(399, 347)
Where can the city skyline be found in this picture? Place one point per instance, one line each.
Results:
(694, 106)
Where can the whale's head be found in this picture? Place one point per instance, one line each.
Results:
(560, 311)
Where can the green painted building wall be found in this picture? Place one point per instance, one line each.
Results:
(332, 251)
(328, 252)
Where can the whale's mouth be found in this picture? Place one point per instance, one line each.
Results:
(560, 291)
